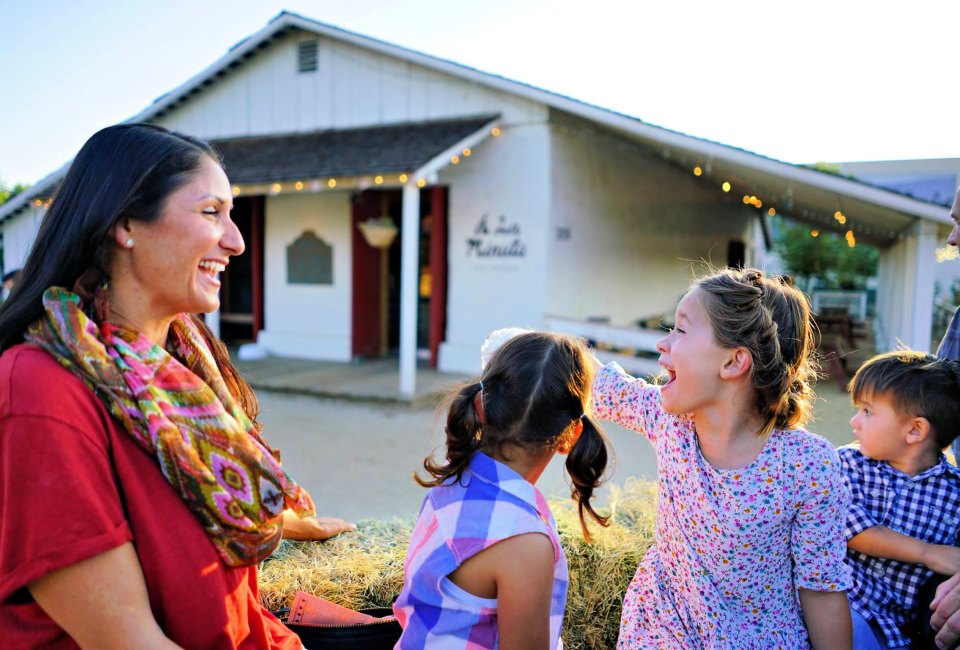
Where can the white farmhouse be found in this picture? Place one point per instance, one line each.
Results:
(514, 205)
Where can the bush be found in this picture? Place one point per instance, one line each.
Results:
(365, 568)
(826, 258)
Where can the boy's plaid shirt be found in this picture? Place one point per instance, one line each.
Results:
(925, 506)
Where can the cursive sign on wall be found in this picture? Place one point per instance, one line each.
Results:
(499, 240)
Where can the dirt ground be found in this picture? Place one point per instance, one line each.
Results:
(356, 459)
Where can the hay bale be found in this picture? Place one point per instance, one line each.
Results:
(601, 570)
(357, 570)
(365, 568)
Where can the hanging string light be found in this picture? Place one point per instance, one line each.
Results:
(947, 253)
(316, 185)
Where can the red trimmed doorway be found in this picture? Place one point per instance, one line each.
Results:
(376, 276)
(241, 290)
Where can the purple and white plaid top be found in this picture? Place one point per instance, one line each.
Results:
(457, 521)
(925, 506)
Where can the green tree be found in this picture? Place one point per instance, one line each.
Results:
(7, 192)
(826, 258)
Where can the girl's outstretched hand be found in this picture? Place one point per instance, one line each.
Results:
(495, 340)
(313, 528)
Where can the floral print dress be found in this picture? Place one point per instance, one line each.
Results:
(732, 546)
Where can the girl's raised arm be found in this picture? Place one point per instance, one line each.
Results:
(629, 401)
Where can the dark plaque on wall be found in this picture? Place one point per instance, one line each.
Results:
(309, 260)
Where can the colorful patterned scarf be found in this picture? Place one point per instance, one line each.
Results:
(207, 448)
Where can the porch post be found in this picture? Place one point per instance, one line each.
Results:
(922, 256)
(905, 295)
(213, 322)
(409, 270)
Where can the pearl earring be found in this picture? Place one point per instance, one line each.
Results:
(129, 242)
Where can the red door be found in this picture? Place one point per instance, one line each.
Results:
(366, 310)
(438, 272)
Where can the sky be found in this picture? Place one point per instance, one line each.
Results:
(838, 80)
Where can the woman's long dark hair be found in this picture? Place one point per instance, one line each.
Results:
(123, 172)
(534, 391)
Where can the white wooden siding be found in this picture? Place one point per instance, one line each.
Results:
(506, 176)
(352, 88)
(307, 321)
(19, 233)
(636, 225)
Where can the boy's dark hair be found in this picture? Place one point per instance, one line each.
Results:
(918, 384)
(10, 275)
(535, 387)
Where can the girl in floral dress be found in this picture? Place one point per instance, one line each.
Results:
(749, 545)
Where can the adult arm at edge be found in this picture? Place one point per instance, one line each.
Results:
(946, 613)
(827, 617)
(102, 602)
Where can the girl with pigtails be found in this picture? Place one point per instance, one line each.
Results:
(749, 542)
(484, 567)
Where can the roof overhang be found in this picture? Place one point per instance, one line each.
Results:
(822, 199)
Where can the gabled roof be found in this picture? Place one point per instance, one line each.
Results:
(810, 194)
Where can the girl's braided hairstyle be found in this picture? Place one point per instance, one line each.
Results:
(770, 317)
(532, 394)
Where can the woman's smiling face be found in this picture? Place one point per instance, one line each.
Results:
(691, 358)
(176, 260)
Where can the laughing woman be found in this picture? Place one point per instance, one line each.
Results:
(136, 494)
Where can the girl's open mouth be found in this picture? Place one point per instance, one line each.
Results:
(669, 376)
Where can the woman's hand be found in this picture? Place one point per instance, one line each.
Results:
(102, 602)
(313, 528)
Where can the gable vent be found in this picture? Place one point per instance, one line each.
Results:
(307, 55)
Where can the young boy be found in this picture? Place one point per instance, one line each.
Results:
(903, 523)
